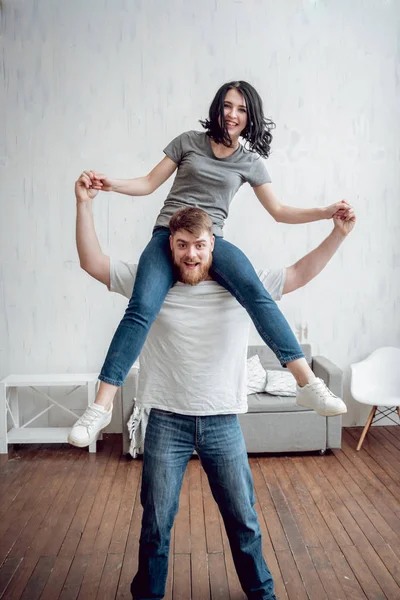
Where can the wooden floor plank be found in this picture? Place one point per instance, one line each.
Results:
(310, 508)
(130, 560)
(53, 526)
(306, 529)
(297, 545)
(341, 536)
(59, 526)
(182, 582)
(267, 507)
(346, 576)
(16, 474)
(348, 489)
(110, 577)
(330, 525)
(73, 582)
(122, 524)
(97, 512)
(38, 579)
(21, 578)
(387, 542)
(391, 446)
(268, 550)
(92, 576)
(389, 433)
(22, 531)
(336, 558)
(27, 493)
(106, 527)
(377, 447)
(218, 577)
(76, 527)
(7, 572)
(3, 459)
(57, 578)
(368, 473)
(374, 492)
(281, 563)
(359, 528)
(363, 574)
(291, 577)
(371, 467)
(362, 532)
(333, 589)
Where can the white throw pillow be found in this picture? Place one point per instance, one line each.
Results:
(256, 375)
(280, 383)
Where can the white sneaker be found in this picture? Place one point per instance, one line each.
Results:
(85, 430)
(317, 396)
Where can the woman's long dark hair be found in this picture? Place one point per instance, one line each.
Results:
(258, 129)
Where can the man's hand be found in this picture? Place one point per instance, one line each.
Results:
(91, 257)
(84, 188)
(336, 209)
(344, 221)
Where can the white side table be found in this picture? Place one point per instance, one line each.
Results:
(23, 434)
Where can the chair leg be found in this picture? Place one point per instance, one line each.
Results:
(367, 426)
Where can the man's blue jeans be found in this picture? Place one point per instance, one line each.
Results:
(218, 441)
(155, 275)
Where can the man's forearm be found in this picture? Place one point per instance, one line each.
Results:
(315, 261)
(87, 242)
(294, 215)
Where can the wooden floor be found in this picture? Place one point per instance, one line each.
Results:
(70, 523)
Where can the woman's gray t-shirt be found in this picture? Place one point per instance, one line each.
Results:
(208, 182)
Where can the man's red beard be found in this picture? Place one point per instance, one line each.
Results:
(192, 277)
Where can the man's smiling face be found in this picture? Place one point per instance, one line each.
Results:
(192, 255)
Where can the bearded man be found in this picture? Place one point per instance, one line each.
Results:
(192, 377)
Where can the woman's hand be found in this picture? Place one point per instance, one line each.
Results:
(339, 208)
(102, 182)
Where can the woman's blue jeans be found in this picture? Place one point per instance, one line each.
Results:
(155, 275)
(218, 441)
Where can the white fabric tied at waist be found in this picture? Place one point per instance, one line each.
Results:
(137, 429)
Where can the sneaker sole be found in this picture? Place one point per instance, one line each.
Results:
(343, 411)
(79, 444)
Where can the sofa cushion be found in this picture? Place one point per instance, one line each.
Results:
(264, 403)
(279, 383)
(256, 375)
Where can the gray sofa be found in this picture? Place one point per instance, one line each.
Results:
(273, 423)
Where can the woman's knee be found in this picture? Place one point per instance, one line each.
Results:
(146, 300)
(232, 265)
(146, 306)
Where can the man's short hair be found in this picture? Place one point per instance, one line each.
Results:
(192, 219)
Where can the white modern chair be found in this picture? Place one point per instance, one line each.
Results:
(376, 381)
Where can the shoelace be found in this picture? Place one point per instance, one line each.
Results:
(321, 388)
(89, 417)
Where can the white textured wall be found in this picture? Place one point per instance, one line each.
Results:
(106, 84)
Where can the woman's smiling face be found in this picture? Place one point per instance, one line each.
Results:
(235, 113)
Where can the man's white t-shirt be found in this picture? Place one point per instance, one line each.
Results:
(194, 359)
